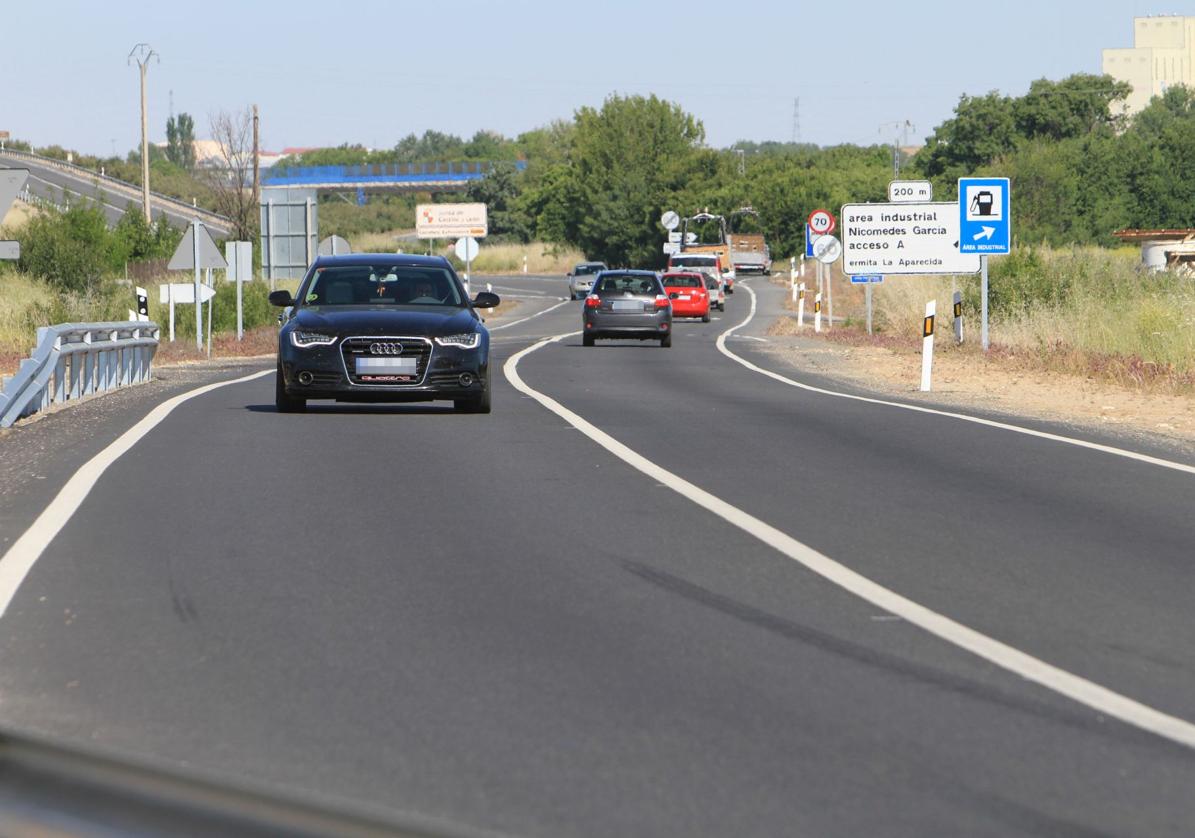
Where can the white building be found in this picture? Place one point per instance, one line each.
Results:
(1163, 54)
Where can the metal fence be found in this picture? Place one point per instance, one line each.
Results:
(74, 360)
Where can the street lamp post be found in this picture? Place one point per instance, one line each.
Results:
(141, 54)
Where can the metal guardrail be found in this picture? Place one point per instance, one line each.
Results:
(74, 360)
(129, 190)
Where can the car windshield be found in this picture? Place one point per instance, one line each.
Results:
(682, 281)
(582, 270)
(627, 284)
(381, 285)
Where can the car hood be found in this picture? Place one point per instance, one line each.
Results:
(420, 321)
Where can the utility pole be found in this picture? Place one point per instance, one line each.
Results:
(796, 137)
(141, 54)
(256, 162)
(899, 138)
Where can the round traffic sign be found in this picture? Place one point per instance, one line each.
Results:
(827, 249)
(822, 222)
(670, 220)
(466, 249)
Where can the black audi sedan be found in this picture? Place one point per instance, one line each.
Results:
(377, 327)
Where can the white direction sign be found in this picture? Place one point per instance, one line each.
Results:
(670, 220)
(466, 249)
(672, 248)
(184, 255)
(827, 249)
(11, 182)
(239, 256)
(183, 292)
(910, 191)
(903, 239)
(450, 221)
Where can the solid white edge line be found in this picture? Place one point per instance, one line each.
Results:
(962, 417)
(26, 550)
(1072, 686)
(529, 317)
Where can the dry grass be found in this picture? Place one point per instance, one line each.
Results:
(18, 216)
(493, 259)
(1090, 312)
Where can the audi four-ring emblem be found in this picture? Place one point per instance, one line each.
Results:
(385, 349)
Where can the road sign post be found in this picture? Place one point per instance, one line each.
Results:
(867, 280)
(195, 251)
(198, 305)
(985, 227)
(828, 250)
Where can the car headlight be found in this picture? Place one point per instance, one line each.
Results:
(468, 340)
(305, 340)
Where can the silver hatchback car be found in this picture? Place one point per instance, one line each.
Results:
(580, 279)
(627, 304)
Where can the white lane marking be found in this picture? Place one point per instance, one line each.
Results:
(529, 317)
(514, 292)
(26, 550)
(962, 417)
(1001, 654)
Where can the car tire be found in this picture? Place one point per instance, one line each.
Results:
(587, 340)
(475, 404)
(705, 317)
(666, 341)
(283, 401)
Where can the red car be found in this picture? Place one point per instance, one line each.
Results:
(688, 294)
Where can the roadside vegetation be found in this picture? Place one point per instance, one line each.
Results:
(595, 185)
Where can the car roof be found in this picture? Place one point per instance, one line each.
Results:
(630, 272)
(586, 264)
(409, 260)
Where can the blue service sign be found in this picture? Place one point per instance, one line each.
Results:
(867, 279)
(985, 215)
(809, 237)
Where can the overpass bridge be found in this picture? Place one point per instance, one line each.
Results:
(388, 177)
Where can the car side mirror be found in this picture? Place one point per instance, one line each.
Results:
(486, 299)
(281, 299)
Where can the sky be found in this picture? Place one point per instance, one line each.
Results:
(371, 72)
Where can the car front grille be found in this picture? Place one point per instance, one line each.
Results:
(361, 347)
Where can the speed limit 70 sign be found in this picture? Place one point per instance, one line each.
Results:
(822, 222)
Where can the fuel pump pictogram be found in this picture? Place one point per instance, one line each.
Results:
(982, 203)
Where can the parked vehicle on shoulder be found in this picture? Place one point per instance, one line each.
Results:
(580, 278)
(627, 304)
(379, 327)
(688, 295)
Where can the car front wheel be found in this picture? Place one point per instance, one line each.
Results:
(284, 402)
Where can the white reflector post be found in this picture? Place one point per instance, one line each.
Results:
(927, 344)
(817, 311)
(801, 305)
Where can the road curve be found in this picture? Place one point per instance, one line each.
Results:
(495, 623)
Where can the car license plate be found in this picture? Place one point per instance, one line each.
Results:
(684, 297)
(387, 366)
(627, 305)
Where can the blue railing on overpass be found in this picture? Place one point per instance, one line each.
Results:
(380, 174)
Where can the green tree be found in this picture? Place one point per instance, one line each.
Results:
(620, 174)
(499, 191)
(1074, 107)
(180, 141)
(982, 128)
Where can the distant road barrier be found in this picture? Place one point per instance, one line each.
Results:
(74, 360)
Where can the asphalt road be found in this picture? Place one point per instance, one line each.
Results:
(53, 184)
(495, 623)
